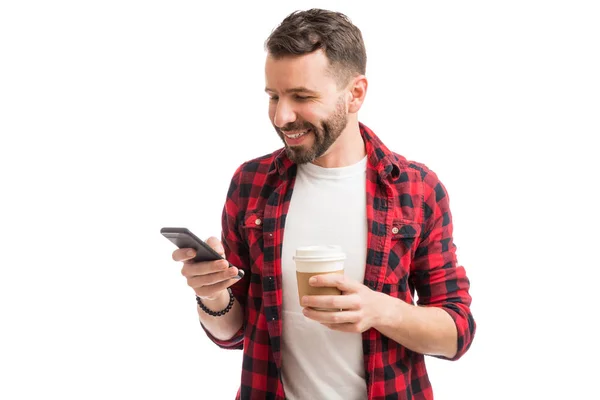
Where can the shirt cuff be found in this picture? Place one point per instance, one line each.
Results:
(465, 329)
(235, 343)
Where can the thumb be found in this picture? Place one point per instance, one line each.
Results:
(216, 245)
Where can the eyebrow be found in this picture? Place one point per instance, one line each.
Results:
(299, 89)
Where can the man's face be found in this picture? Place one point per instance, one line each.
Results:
(306, 107)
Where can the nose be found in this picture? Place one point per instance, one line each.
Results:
(284, 114)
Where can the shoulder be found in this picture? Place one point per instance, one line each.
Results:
(255, 179)
(416, 171)
(259, 166)
(420, 188)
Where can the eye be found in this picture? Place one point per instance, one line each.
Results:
(302, 98)
(273, 98)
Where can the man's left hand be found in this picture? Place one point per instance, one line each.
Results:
(360, 306)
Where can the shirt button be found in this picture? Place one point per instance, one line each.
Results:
(395, 230)
(258, 221)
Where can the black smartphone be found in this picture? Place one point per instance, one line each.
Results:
(184, 238)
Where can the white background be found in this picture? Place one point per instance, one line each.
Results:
(120, 117)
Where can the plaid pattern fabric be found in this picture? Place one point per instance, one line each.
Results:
(410, 251)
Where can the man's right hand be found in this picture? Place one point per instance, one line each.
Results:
(209, 279)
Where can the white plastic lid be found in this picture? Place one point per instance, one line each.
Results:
(319, 253)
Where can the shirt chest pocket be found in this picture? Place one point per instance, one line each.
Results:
(252, 231)
(404, 241)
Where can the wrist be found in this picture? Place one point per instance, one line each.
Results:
(217, 301)
(388, 310)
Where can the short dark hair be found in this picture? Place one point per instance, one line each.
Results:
(303, 32)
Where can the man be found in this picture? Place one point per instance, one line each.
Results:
(334, 182)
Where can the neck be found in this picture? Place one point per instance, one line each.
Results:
(348, 149)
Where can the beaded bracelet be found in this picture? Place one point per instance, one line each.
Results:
(217, 313)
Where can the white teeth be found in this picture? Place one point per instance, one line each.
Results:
(296, 136)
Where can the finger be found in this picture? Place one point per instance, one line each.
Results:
(216, 245)
(345, 302)
(211, 279)
(203, 268)
(350, 328)
(205, 291)
(184, 254)
(342, 282)
(333, 317)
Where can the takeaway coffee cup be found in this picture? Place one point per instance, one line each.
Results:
(316, 260)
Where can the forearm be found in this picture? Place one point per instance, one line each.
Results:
(225, 326)
(426, 330)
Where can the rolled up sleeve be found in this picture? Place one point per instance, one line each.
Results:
(235, 343)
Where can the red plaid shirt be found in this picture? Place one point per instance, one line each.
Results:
(410, 249)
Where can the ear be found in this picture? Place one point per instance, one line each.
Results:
(357, 93)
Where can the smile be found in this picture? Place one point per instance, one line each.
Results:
(296, 135)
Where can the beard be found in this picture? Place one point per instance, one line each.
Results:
(324, 135)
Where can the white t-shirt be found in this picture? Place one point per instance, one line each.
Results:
(328, 206)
